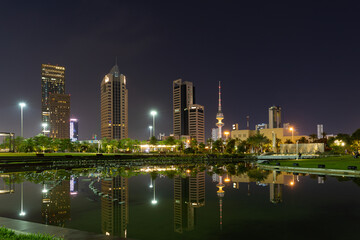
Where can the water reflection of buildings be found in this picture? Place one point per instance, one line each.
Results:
(189, 194)
(7, 184)
(275, 180)
(114, 206)
(55, 209)
(74, 185)
(220, 193)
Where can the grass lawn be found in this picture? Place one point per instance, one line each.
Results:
(341, 162)
(8, 234)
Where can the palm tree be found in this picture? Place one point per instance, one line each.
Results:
(313, 137)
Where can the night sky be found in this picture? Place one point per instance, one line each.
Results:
(303, 56)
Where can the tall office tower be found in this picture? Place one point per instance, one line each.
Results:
(275, 117)
(115, 207)
(219, 116)
(114, 105)
(52, 81)
(183, 97)
(214, 133)
(189, 194)
(74, 129)
(59, 106)
(197, 123)
(320, 131)
(55, 208)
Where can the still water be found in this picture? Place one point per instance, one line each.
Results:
(186, 202)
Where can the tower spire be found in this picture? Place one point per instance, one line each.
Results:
(219, 109)
(219, 116)
(115, 60)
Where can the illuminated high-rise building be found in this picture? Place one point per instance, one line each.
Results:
(189, 194)
(115, 207)
(219, 116)
(275, 117)
(74, 129)
(55, 208)
(59, 121)
(114, 105)
(183, 97)
(52, 81)
(197, 122)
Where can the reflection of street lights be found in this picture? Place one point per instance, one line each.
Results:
(226, 134)
(44, 125)
(151, 183)
(44, 189)
(22, 213)
(153, 113)
(22, 105)
(292, 134)
(154, 201)
(150, 128)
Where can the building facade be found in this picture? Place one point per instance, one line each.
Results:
(320, 131)
(114, 105)
(183, 97)
(59, 115)
(52, 81)
(275, 117)
(197, 122)
(74, 130)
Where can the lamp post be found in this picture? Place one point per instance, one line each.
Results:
(226, 135)
(150, 128)
(22, 105)
(153, 113)
(44, 125)
(292, 134)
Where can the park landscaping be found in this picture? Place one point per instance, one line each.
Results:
(331, 162)
(7, 234)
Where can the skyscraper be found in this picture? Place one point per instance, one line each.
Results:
(219, 116)
(183, 97)
(74, 129)
(59, 108)
(196, 122)
(320, 131)
(114, 105)
(52, 81)
(275, 117)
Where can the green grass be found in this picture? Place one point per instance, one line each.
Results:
(341, 162)
(7, 234)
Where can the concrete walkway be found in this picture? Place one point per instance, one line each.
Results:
(21, 226)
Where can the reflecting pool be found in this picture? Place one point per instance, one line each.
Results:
(195, 201)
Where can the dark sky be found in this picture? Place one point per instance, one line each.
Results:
(303, 56)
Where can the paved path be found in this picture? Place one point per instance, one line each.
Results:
(66, 233)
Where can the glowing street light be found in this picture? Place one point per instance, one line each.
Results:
(22, 213)
(153, 114)
(227, 133)
(22, 105)
(44, 125)
(292, 133)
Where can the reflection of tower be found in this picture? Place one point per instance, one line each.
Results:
(7, 184)
(220, 194)
(74, 185)
(114, 206)
(189, 193)
(275, 192)
(55, 209)
(219, 116)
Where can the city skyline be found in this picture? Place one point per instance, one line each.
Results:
(286, 63)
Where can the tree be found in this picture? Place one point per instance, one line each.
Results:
(194, 144)
(356, 135)
(170, 141)
(218, 145)
(230, 146)
(258, 142)
(66, 145)
(288, 141)
(153, 140)
(303, 140)
(201, 147)
(313, 137)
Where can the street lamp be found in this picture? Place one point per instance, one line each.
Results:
(226, 134)
(292, 133)
(44, 125)
(153, 113)
(22, 105)
(150, 128)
